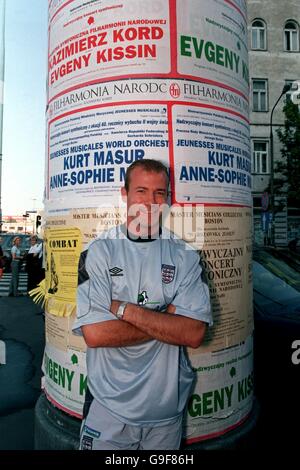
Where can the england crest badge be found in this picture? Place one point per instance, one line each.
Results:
(142, 298)
(167, 273)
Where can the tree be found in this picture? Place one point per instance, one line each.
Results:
(287, 170)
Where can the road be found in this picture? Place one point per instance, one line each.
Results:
(22, 332)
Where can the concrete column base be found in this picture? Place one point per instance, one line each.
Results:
(56, 430)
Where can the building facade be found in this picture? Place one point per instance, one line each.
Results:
(274, 60)
(19, 224)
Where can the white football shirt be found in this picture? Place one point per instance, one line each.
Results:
(149, 383)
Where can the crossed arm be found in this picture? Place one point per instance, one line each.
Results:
(140, 324)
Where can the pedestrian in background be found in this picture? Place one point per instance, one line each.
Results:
(15, 267)
(34, 263)
(1, 259)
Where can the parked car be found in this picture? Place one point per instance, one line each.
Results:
(276, 286)
(276, 294)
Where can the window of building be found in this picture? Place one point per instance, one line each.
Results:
(257, 202)
(293, 88)
(260, 157)
(259, 95)
(291, 36)
(258, 35)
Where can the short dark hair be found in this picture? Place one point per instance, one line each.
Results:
(146, 164)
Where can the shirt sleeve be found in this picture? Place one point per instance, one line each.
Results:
(94, 287)
(192, 296)
(35, 249)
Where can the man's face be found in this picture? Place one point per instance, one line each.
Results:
(146, 195)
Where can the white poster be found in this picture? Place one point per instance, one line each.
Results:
(223, 394)
(212, 42)
(90, 41)
(212, 157)
(65, 379)
(90, 151)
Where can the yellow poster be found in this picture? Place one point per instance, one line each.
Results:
(226, 258)
(63, 248)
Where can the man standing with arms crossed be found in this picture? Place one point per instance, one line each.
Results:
(140, 301)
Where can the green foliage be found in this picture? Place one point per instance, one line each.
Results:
(287, 171)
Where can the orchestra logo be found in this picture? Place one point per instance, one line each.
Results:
(174, 90)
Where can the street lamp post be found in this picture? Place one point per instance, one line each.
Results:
(25, 216)
(2, 57)
(285, 89)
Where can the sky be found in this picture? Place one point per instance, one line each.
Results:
(24, 106)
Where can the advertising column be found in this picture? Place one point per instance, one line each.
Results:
(166, 79)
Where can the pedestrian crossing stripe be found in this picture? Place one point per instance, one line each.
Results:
(5, 282)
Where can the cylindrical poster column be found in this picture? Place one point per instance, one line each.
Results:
(166, 79)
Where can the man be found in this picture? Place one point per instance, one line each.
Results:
(140, 301)
(34, 263)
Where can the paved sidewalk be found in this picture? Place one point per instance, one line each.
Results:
(22, 330)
